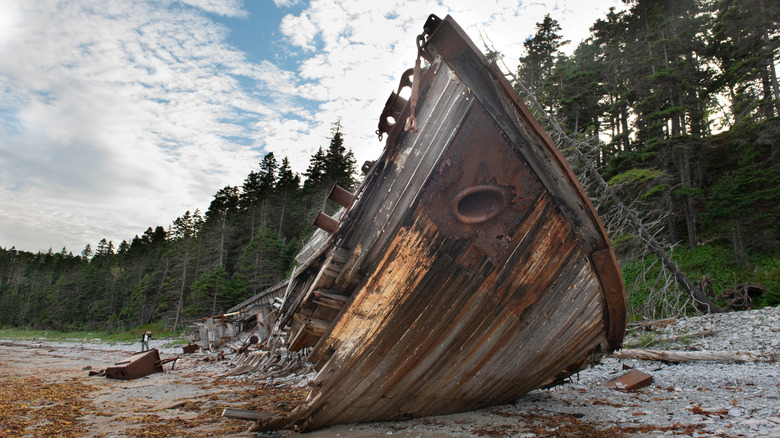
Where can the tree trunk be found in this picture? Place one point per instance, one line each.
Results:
(159, 290)
(181, 292)
(770, 61)
(252, 225)
(767, 107)
(222, 241)
(255, 269)
(624, 122)
(281, 216)
(214, 302)
(683, 163)
(773, 81)
(143, 300)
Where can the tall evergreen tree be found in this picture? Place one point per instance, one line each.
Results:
(340, 163)
(542, 51)
(744, 42)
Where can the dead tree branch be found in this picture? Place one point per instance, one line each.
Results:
(701, 301)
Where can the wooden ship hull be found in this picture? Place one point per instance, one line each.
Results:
(467, 269)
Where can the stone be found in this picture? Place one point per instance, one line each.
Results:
(737, 412)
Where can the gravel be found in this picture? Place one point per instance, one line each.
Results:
(693, 399)
(719, 398)
(703, 398)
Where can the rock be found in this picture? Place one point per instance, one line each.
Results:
(737, 412)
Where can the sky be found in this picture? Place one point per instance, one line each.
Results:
(118, 115)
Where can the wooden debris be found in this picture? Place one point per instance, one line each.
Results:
(630, 381)
(245, 414)
(741, 297)
(686, 356)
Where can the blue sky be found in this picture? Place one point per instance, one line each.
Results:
(117, 115)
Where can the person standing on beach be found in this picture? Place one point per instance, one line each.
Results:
(145, 340)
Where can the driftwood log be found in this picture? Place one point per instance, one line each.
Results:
(653, 324)
(686, 356)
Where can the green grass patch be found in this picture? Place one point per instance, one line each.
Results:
(714, 261)
(110, 337)
(51, 335)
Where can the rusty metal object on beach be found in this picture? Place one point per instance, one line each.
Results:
(138, 365)
(630, 381)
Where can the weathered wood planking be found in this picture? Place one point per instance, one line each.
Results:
(443, 353)
(472, 268)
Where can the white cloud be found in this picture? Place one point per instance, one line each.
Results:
(286, 3)
(116, 116)
(300, 30)
(228, 8)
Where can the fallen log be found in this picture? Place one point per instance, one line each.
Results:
(687, 356)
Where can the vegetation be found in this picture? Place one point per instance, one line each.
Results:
(200, 265)
(682, 100)
(683, 96)
(114, 336)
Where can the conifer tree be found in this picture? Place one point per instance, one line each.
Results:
(339, 163)
(542, 50)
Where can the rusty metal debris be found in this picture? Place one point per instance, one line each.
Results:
(630, 381)
(138, 365)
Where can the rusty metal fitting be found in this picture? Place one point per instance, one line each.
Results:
(478, 204)
(325, 223)
(341, 196)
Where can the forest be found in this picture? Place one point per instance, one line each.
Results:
(678, 102)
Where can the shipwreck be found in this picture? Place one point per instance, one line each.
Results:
(467, 269)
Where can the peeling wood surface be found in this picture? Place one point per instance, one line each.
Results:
(470, 268)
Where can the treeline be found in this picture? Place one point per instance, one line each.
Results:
(202, 264)
(684, 96)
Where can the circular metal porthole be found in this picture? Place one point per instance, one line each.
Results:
(479, 204)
